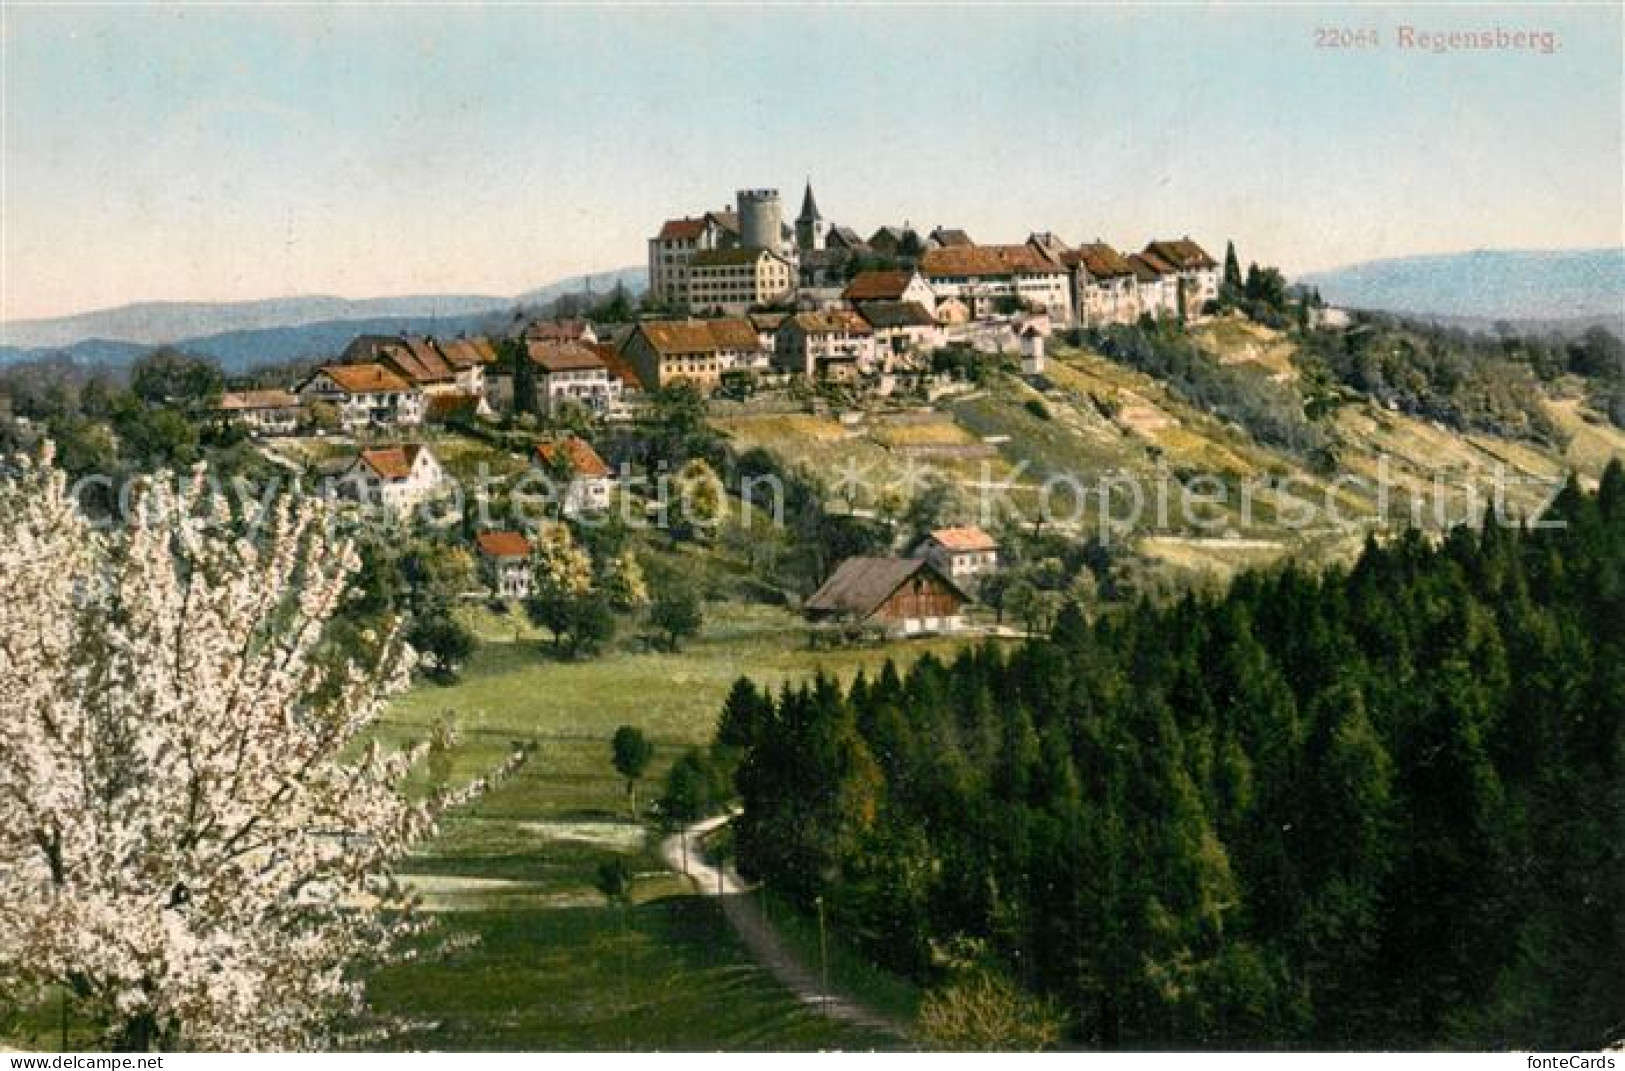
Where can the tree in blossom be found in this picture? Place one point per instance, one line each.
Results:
(566, 600)
(196, 838)
(623, 581)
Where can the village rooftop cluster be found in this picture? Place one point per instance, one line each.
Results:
(734, 296)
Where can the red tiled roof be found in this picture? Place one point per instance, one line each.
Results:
(877, 286)
(833, 321)
(618, 366)
(975, 260)
(237, 401)
(685, 228)
(1181, 254)
(417, 359)
(964, 537)
(364, 378)
(734, 333)
(1148, 269)
(503, 544)
(392, 462)
(1100, 260)
(882, 314)
(584, 460)
(678, 337)
(672, 337)
(467, 352)
(563, 356)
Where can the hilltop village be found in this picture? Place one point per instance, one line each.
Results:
(740, 296)
(890, 386)
(842, 536)
(739, 304)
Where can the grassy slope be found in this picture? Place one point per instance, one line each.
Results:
(1104, 418)
(517, 869)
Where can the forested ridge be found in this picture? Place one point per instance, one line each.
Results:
(1380, 807)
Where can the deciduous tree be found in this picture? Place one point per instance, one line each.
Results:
(198, 837)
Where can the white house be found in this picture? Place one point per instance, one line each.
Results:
(262, 412)
(1156, 292)
(909, 285)
(1103, 285)
(470, 357)
(505, 563)
(1031, 331)
(838, 345)
(1195, 274)
(399, 478)
(591, 481)
(573, 372)
(902, 327)
(963, 554)
(364, 394)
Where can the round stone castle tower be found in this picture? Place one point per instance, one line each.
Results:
(761, 220)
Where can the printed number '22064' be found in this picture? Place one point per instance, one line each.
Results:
(1344, 37)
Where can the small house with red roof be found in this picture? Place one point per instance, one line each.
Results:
(364, 394)
(505, 563)
(397, 477)
(964, 553)
(591, 481)
(573, 372)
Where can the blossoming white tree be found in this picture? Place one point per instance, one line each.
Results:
(194, 839)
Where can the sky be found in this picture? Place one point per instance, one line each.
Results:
(224, 152)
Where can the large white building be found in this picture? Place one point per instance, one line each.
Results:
(671, 250)
(993, 279)
(731, 282)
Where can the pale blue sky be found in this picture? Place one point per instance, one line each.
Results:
(223, 152)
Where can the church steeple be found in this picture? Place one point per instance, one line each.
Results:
(809, 207)
(811, 228)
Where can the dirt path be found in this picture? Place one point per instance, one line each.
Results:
(745, 914)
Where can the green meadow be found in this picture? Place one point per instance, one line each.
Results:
(530, 955)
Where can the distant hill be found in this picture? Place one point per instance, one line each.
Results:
(238, 351)
(89, 351)
(602, 283)
(243, 334)
(1485, 285)
(163, 322)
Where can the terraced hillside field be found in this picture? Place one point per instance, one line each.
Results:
(1137, 449)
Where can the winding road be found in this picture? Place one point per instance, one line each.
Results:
(745, 914)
